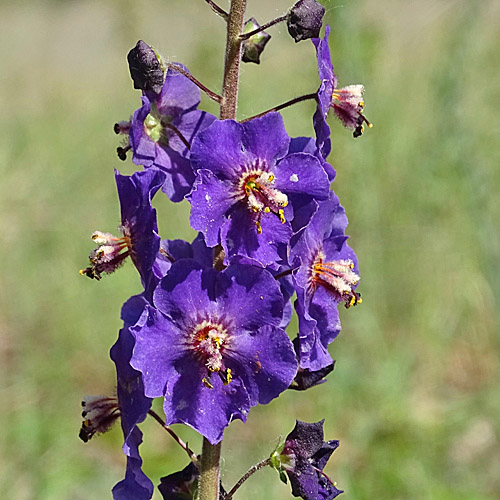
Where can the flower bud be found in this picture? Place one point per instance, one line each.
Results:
(304, 20)
(145, 68)
(253, 47)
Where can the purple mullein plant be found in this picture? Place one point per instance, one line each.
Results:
(207, 330)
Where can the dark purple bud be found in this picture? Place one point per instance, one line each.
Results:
(145, 68)
(253, 47)
(99, 413)
(305, 378)
(303, 458)
(183, 485)
(304, 20)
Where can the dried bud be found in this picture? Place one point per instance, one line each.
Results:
(145, 68)
(253, 47)
(304, 20)
(305, 379)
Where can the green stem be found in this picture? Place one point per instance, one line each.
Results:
(232, 61)
(208, 486)
(249, 473)
(221, 12)
(246, 36)
(286, 104)
(209, 481)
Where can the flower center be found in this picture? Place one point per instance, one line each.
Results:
(337, 277)
(156, 125)
(257, 186)
(109, 255)
(209, 340)
(348, 104)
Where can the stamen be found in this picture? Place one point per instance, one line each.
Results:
(208, 341)
(108, 256)
(99, 412)
(338, 277)
(122, 152)
(257, 187)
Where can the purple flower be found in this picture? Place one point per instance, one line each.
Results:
(304, 457)
(213, 347)
(327, 274)
(174, 250)
(244, 193)
(162, 130)
(130, 405)
(139, 238)
(347, 102)
(133, 404)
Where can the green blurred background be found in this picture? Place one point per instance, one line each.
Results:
(415, 397)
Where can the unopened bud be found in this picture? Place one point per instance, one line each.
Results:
(304, 20)
(253, 47)
(145, 68)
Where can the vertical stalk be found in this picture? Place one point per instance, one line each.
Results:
(208, 488)
(232, 60)
(209, 481)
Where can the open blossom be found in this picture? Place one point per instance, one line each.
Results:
(347, 102)
(133, 404)
(163, 128)
(139, 238)
(213, 347)
(304, 457)
(243, 196)
(326, 275)
(130, 405)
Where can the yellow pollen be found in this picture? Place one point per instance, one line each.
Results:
(270, 178)
(229, 377)
(217, 342)
(207, 383)
(259, 227)
(370, 125)
(281, 214)
(285, 204)
(267, 210)
(82, 272)
(362, 104)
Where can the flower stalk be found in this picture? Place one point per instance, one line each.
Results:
(208, 488)
(210, 457)
(247, 474)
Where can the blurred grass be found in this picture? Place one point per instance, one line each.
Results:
(415, 397)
